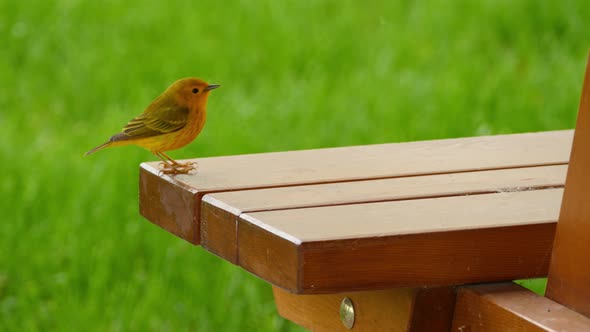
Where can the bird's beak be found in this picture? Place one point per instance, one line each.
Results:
(212, 86)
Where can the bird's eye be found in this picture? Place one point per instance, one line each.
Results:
(195, 90)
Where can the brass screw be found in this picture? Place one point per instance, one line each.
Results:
(347, 313)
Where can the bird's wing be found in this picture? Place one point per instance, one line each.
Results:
(160, 121)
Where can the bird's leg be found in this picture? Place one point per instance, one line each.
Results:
(164, 162)
(189, 166)
(171, 166)
(174, 162)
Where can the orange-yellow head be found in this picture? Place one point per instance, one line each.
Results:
(190, 91)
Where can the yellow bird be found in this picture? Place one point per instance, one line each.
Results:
(174, 119)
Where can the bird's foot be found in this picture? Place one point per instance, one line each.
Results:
(178, 168)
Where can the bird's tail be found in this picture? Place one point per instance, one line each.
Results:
(98, 148)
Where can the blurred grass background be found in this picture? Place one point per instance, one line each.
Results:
(75, 253)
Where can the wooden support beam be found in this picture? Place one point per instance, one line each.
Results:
(402, 309)
(510, 307)
(569, 274)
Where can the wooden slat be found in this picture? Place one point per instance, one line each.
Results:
(168, 204)
(412, 216)
(220, 211)
(439, 241)
(337, 165)
(569, 276)
(510, 307)
(402, 309)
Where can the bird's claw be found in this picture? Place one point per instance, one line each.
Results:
(178, 168)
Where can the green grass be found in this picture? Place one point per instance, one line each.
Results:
(75, 253)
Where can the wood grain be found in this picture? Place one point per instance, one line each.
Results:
(168, 204)
(220, 211)
(269, 255)
(453, 184)
(432, 242)
(402, 309)
(219, 231)
(419, 216)
(569, 275)
(510, 307)
(341, 164)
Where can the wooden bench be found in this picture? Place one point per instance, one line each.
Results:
(393, 236)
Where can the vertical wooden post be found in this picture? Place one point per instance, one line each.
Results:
(569, 271)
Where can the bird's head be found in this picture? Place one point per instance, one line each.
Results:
(192, 91)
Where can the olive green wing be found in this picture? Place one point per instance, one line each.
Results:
(157, 122)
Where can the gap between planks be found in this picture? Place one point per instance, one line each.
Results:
(239, 213)
(212, 199)
(201, 193)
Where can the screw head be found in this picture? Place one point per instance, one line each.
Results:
(347, 313)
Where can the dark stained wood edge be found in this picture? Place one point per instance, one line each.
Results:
(219, 229)
(414, 260)
(432, 309)
(510, 307)
(431, 259)
(169, 205)
(569, 274)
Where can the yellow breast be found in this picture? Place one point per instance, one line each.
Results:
(177, 139)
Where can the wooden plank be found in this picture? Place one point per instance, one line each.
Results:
(402, 309)
(510, 307)
(569, 276)
(425, 242)
(168, 204)
(219, 230)
(341, 164)
(412, 216)
(269, 256)
(220, 211)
